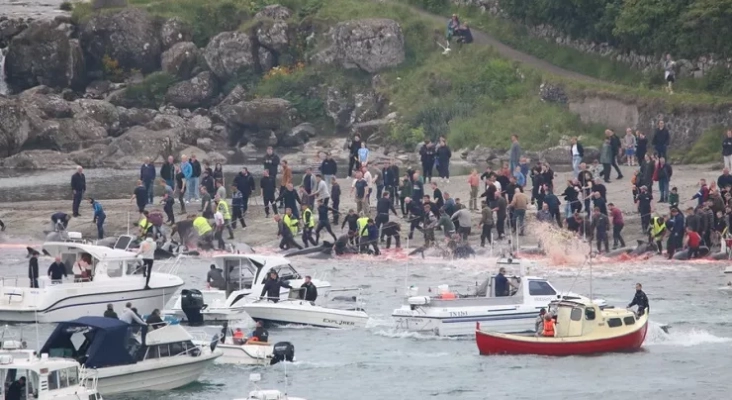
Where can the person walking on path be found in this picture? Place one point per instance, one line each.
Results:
(180, 188)
(473, 182)
(99, 217)
(576, 151)
(268, 185)
(187, 170)
(147, 176)
(727, 150)
(606, 159)
(140, 196)
(664, 173)
(641, 147)
(443, 160)
(427, 157)
(629, 143)
(78, 187)
(617, 149)
(353, 154)
(329, 169)
(515, 153)
(271, 163)
(661, 139)
(669, 73)
(167, 172)
(617, 221)
(195, 175)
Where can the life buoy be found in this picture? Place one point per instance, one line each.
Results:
(447, 296)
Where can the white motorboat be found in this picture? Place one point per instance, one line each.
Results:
(300, 312)
(255, 353)
(450, 314)
(44, 378)
(260, 394)
(116, 279)
(161, 359)
(243, 276)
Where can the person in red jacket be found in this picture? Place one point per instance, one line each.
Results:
(693, 240)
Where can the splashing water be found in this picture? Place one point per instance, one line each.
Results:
(686, 338)
(561, 246)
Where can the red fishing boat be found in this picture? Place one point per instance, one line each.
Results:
(580, 328)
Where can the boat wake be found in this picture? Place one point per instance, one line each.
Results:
(685, 338)
(399, 334)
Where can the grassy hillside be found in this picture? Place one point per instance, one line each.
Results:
(472, 96)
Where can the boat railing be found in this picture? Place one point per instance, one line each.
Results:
(171, 266)
(6, 280)
(89, 378)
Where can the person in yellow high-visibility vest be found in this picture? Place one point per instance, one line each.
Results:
(223, 208)
(656, 232)
(363, 232)
(291, 221)
(144, 225)
(308, 223)
(204, 231)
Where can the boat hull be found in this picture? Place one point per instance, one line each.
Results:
(245, 354)
(300, 313)
(86, 304)
(154, 375)
(493, 343)
(445, 325)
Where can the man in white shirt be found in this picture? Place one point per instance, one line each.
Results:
(369, 182)
(219, 231)
(147, 250)
(321, 190)
(129, 316)
(577, 152)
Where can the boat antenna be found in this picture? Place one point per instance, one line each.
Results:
(589, 261)
(128, 222)
(38, 342)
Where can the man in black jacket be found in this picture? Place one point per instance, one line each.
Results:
(383, 206)
(272, 287)
(33, 270)
(245, 184)
(416, 212)
(167, 172)
(390, 174)
(308, 290)
(727, 149)
(616, 147)
(640, 299)
(78, 186)
(271, 163)
(290, 199)
(329, 169)
(427, 156)
(661, 139)
(600, 226)
(323, 222)
(353, 154)
(643, 200)
(147, 176)
(352, 220)
(268, 185)
(57, 271)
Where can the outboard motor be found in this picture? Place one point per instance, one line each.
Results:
(191, 302)
(282, 351)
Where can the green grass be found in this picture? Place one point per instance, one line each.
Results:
(704, 150)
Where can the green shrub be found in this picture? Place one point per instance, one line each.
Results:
(299, 88)
(151, 91)
(434, 6)
(706, 149)
(66, 6)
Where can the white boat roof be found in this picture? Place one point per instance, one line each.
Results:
(98, 252)
(26, 359)
(269, 261)
(167, 334)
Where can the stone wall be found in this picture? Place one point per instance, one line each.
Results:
(646, 63)
(686, 124)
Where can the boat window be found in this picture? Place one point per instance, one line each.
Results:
(541, 288)
(114, 269)
(590, 314)
(192, 349)
(152, 353)
(576, 314)
(629, 320)
(286, 272)
(177, 348)
(240, 270)
(614, 322)
(163, 350)
(53, 380)
(63, 378)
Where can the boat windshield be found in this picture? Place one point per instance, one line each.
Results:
(286, 272)
(21, 383)
(240, 272)
(541, 288)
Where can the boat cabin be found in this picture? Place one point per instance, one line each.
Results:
(25, 376)
(98, 342)
(241, 271)
(100, 262)
(585, 318)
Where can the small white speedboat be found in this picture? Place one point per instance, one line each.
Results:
(167, 357)
(301, 312)
(255, 353)
(260, 394)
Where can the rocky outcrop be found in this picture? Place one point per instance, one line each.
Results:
(44, 54)
(99, 110)
(370, 44)
(15, 127)
(139, 142)
(229, 52)
(180, 59)
(129, 37)
(275, 12)
(9, 28)
(175, 30)
(197, 92)
(298, 135)
(129, 117)
(259, 114)
(274, 35)
(38, 160)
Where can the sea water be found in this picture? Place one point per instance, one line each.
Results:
(381, 362)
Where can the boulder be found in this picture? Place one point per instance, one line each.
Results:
(175, 30)
(371, 44)
(274, 35)
(99, 110)
(200, 122)
(367, 106)
(205, 143)
(298, 135)
(197, 92)
(260, 114)
(130, 37)
(38, 160)
(138, 142)
(75, 133)
(135, 116)
(40, 103)
(43, 54)
(557, 155)
(339, 107)
(275, 12)
(591, 153)
(166, 121)
(15, 126)
(215, 158)
(229, 52)
(98, 89)
(101, 4)
(553, 93)
(266, 59)
(237, 94)
(180, 59)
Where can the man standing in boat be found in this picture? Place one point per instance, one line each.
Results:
(272, 288)
(640, 299)
(147, 250)
(57, 271)
(308, 290)
(502, 284)
(33, 270)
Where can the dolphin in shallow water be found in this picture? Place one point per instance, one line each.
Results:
(644, 247)
(619, 252)
(684, 254)
(720, 255)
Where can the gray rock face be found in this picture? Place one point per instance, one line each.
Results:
(260, 114)
(15, 127)
(275, 11)
(38, 160)
(298, 135)
(135, 116)
(197, 92)
(139, 142)
(274, 35)
(266, 59)
(166, 121)
(99, 110)
(229, 52)
(129, 36)
(339, 107)
(553, 94)
(175, 30)
(180, 59)
(236, 95)
(9, 28)
(369, 44)
(43, 54)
